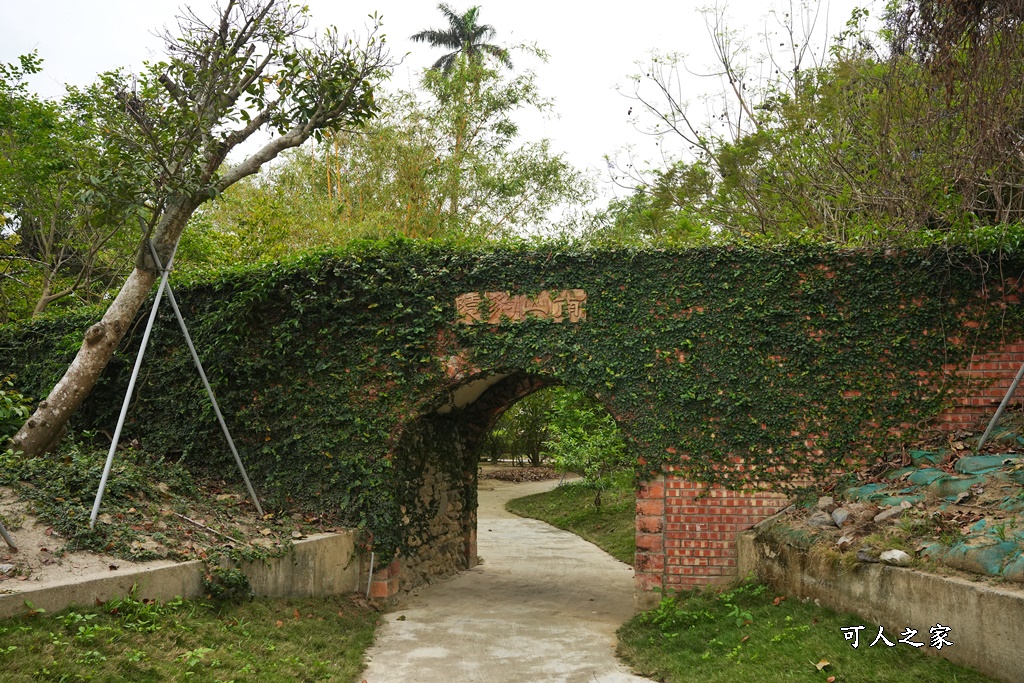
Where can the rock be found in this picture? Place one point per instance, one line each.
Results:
(888, 514)
(6, 568)
(897, 557)
(844, 542)
(866, 554)
(840, 515)
(906, 505)
(149, 547)
(826, 502)
(821, 519)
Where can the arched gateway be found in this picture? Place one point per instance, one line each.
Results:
(362, 381)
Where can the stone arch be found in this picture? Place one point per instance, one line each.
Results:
(436, 458)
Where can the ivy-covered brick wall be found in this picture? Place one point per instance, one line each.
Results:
(984, 381)
(724, 364)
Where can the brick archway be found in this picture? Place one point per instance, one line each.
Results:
(451, 432)
(336, 366)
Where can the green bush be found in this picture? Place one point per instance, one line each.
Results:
(584, 438)
(14, 409)
(227, 585)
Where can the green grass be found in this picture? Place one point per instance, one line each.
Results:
(262, 640)
(741, 635)
(571, 507)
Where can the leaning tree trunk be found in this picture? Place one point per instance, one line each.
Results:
(48, 423)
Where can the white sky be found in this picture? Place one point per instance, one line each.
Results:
(592, 48)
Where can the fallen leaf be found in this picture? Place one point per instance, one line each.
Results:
(830, 679)
(297, 615)
(266, 532)
(777, 601)
(279, 623)
(401, 618)
(822, 664)
(744, 639)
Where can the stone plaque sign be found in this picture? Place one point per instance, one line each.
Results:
(493, 307)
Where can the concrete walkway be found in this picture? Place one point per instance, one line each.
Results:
(541, 608)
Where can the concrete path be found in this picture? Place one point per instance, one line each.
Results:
(541, 608)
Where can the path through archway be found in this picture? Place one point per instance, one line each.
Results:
(542, 606)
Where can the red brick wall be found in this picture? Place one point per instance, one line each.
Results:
(686, 532)
(989, 376)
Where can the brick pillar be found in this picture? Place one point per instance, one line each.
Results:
(701, 526)
(649, 565)
(385, 581)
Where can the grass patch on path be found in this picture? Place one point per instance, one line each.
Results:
(261, 640)
(743, 635)
(611, 526)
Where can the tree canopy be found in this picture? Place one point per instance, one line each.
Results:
(465, 37)
(444, 160)
(250, 68)
(910, 135)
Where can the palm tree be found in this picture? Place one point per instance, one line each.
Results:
(464, 37)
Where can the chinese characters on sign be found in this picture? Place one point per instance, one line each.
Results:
(938, 638)
(492, 307)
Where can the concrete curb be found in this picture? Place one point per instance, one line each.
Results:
(985, 621)
(321, 565)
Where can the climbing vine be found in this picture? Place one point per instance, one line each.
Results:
(726, 364)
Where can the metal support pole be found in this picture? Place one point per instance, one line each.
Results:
(128, 395)
(7, 537)
(209, 391)
(1001, 408)
(369, 580)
